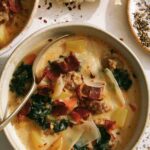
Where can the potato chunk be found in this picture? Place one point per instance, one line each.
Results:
(77, 46)
(120, 115)
(36, 140)
(57, 145)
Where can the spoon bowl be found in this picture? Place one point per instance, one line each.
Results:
(6, 120)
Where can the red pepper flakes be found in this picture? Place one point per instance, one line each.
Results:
(40, 18)
(50, 40)
(49, 5)
(45, 21)
(121, 39)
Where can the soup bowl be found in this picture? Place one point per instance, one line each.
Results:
(39, 40)
(16, 38)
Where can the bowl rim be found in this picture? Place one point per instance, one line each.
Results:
(8, 47)
(65, 24)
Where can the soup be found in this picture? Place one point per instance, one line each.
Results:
(14, 15)
(87, 97)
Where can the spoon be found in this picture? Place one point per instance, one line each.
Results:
(6, 120)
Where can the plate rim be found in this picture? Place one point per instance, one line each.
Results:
(147, 50)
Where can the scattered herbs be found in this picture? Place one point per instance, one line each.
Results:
(40, 109)
(80, 148)
(21, 80)
(103, 142)
(61, 125)
(123, 78)
(142, 23)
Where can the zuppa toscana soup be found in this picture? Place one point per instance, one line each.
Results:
(14, 15)
(87, 97)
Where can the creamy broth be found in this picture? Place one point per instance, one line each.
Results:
(32, 135)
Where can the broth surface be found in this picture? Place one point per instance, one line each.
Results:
(91, 63)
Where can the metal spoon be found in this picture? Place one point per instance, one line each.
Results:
(4, 122)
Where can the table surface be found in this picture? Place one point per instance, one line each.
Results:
(106, 14)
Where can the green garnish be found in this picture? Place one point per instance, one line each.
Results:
(103, 142)
(21, 80)
(40, 109)
(123, 78)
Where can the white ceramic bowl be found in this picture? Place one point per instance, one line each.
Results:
(16, 38)
(49, 32)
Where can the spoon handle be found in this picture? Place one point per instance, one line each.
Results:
(6, 120)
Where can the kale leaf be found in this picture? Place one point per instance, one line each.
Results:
(80, 148)
(22, 79)
(40, 109)
(123, 78)
(61, 125)
(103, 142)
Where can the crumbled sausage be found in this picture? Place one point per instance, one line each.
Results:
(98, 107)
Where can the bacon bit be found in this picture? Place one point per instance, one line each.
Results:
(24, 111)
(14, 5)
(43, 90)
(29, 59)
(89, 92)
(133, 107)
(70, 63)
(75, 116)
(109, 125)
(50, 74)
(59, 108)
(84, 113)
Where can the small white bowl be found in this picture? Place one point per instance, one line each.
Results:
(39, 39)
(16, 38)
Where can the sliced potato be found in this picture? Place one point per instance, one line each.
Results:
(57, 145)
(58, 87)
(40, 141)
(36, 140)
(77, 46)
(120, 115)
(114, 85)
(3, 35)
(90, 134)
(65, 94)
(71, 136)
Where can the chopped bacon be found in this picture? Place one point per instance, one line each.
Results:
(110, 125)
(70, 63)
(24, 111)
(133, 107)
(75, 116)
(50, 74)
(59, 108)
(14, 5)
(84, 113)
(44, 90)
(89, 92)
